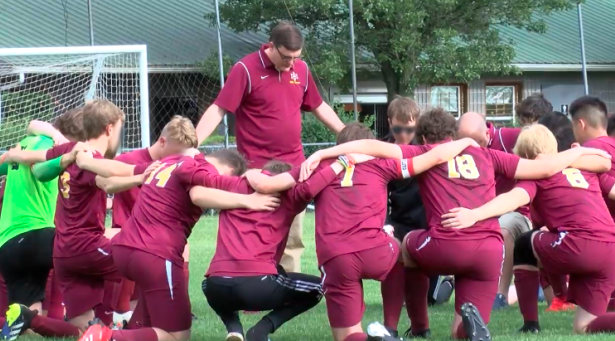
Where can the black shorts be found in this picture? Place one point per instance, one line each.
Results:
(25, 262)
(400, 231)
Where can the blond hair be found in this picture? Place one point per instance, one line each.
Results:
(535, 139)
(97, 115)
(181, 130)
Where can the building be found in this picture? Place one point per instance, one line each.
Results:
(179, 39)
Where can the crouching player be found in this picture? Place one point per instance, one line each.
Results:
(243, 274)
(581, 232)
(474, 256)
(350, 243)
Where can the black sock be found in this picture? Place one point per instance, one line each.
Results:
(261, 330)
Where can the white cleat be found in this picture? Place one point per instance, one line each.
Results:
(234, 337)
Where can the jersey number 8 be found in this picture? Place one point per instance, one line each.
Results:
(463, 166)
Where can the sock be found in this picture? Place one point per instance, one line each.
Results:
(417, 287)
(104, 311)
(526, 283)
(602, 324)
(559, 283)
(143, 334)
(461, 333)
(392, 290)
(356, 337)
(123, 301)
(49, 327)
(261, 330)
(4, 298)
(54, 298)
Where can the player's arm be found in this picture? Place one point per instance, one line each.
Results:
(543, 168)
(589, 163)
(440, 154)
(117, 184)
(507, 202)
(105, 167)
(37, 127)
(306, 191)
(222, 200)
(4, 169)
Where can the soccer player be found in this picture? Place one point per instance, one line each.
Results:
(581, 231)
(532, 108)
(350, 250)
(149, 249)
(243, 274)
(123, 202)
(474, 256)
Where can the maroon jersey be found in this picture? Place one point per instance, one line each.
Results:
(267, 104)
(572, 201)
(351, 210)
(80, 211)
(123, 202)
(249, 241)
(163, 216)
(468, 181)
(607, 144)
(504, 140)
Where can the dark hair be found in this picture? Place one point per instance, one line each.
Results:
(436, 125)
(286, 35)
(276, 167)
(611, 125)
(531, 109)
(231, 158)
(354, 131)
(561, 127)
(591, 109)
(97, 115)
(403, 109)
(70, 124)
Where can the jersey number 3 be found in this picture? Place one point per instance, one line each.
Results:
(575, 178)
(65, 190)
(162, 175)
(463, 166)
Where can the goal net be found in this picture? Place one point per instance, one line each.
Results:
(42, 83)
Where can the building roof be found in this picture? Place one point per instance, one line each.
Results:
(177, 34)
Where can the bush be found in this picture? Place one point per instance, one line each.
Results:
(313, 131)
(217, 140)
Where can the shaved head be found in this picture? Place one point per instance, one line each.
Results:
(474, 126)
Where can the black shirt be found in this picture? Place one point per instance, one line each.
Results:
(405, 207)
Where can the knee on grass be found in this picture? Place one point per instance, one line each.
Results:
(172, 336)
(523, 254)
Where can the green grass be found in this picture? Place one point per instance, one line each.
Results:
(314, 325)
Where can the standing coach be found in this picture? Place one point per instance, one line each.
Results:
(267, 90)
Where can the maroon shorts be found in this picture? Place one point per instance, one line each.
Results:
(342, 281)
(476, 265)
(82, 278)
(163, 299)
(590, 264)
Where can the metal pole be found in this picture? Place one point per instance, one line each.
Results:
(583, 61)
(221, 67)
(354, 64)
(91, 24)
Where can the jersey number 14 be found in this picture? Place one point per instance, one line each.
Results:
(161, 174)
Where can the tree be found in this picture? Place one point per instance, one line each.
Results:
(408, 41)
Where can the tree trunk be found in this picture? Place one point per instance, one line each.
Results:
(396, 84)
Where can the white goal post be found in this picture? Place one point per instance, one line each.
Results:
(42, 83)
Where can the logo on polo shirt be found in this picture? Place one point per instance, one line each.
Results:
(294, 78)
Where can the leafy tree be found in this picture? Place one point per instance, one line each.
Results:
(408, 41)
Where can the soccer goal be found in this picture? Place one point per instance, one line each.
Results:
(43, 83)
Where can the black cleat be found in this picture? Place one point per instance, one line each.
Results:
(18, 320)
(419, 335)
(393, 332)
(473, 323)
(377, 332)
(530, 327)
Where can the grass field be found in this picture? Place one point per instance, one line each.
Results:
(314, 326)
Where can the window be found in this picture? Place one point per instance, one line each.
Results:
(447, 97)
(500, 100)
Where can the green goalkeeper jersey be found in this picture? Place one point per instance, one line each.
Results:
(28, 203)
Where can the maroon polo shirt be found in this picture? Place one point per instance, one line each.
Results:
(267, 104)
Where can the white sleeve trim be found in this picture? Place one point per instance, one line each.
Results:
(405, 172)
(249, 79)
(307, 76)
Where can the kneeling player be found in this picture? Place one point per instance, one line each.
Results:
(243, 273)
(474, 256)
(581, 233)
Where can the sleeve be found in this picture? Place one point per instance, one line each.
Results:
(409, 150)
(307, 190)
(48, 170)
(503, 163)
(530, 186)
(221, 182)
(606, 183)
(59, 150)
(311, 97)
(396, 169)
(43, 143)
(140, 168)
(236, 87)
(4, 169)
